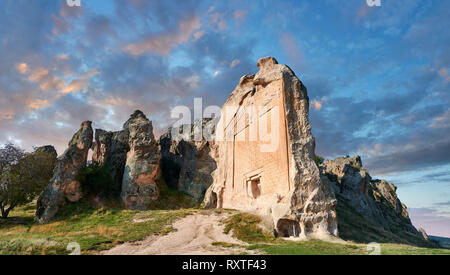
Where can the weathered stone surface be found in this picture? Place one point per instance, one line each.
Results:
(375, 200)
(49, 149)
(188, 165)
(111, 149)
(275, 177)
(63, 185)
(424, 234)
(142, 164)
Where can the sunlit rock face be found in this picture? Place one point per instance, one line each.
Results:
(142, 166)
(64, 185)
(266, 155)
(188, 163)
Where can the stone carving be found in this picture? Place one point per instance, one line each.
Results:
(274, 175)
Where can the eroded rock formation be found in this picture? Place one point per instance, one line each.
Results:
(64, 185)
(48, 149)
(142, 163)
(365, 202)
(188, 165)
(274, 174)
(111, 150)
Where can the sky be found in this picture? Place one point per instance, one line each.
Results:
(377, 77)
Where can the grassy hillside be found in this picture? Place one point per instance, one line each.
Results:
(93, 228)
(353, 227)
(245, 227)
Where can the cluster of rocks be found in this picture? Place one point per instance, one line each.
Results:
(132, 155)
(298, 196)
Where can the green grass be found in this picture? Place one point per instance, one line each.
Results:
(246, 228)
(94, 229)
(100, 229)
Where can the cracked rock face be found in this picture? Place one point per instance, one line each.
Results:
(276, 178)
(375, 200)
(111, 150)
(188, 165)
(64, 185)
(142, 167)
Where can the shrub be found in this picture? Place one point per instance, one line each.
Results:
(23, 176)
(319, 160)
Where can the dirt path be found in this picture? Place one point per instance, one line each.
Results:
(194, 235)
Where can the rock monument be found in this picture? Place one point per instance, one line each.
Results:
(266, 155)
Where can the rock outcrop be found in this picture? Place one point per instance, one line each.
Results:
(48, 149)
(110, 149)
(366, 203)
(188, 165)
(142, 166)
(64, 185)
(275, 174)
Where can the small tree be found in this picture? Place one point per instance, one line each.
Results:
(319, 160)
(23, 176)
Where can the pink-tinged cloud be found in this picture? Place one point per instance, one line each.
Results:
(162, 43)
(434, 222)
(293, 50)
(234, 63)
(443, 72)
(198, 35)
(22, 68)
(318, 104)
(363, 11)
(442, 121)
(240, 14)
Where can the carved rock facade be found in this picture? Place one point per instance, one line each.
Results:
(266, 155)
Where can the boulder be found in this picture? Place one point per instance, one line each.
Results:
(64, 185)
(274, 175)
(142, 166)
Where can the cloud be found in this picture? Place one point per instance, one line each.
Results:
(240, 15)
(442, 121)
(234, 63)
(318, 104)
(43, 77)
(38, 104)
(443, 72)
(292, 48)
(435, 222)
(162, 43)
(198, 35)
(22, 68)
